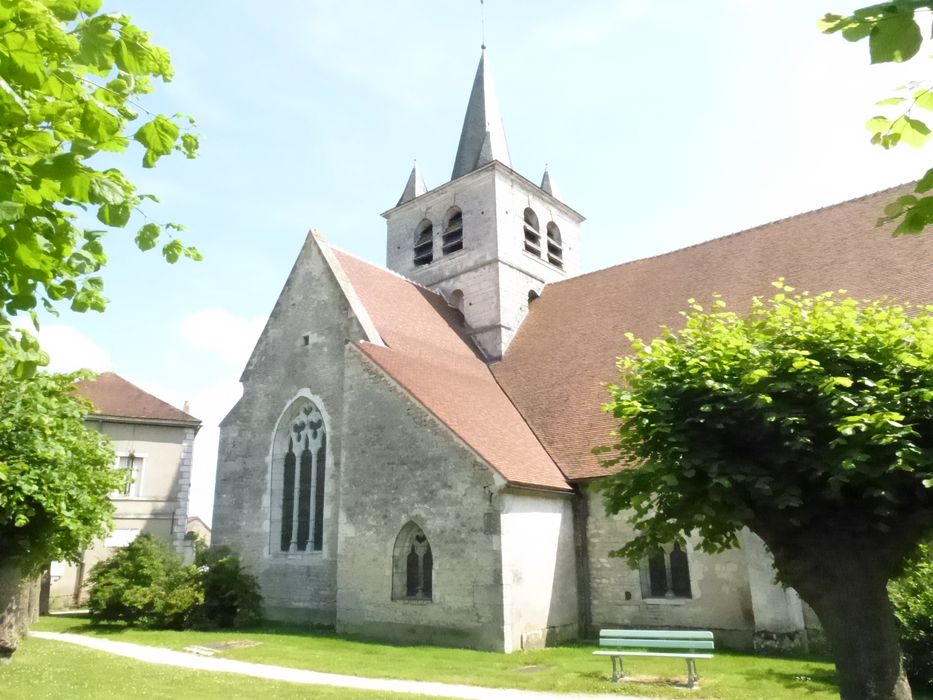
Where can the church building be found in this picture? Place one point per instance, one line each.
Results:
(411, 458)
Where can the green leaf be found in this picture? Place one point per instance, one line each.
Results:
(173, 250)
(894, 38)
(158, 136)
(10, 211)
(97, 123)
(114, 214)
(925, 183)
(924, 99)
(89, 7)
(148, 236)
(890, 101)
(856, 31)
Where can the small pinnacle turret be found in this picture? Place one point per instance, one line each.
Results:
(482, 139)
(547, 184)
(415, 186)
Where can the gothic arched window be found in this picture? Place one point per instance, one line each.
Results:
(412, 565)
(555, 252)
(666, 573)
(532, 233)
(299, 468)
(424, 243)
(452, 239)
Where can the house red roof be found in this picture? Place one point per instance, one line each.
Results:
(114, 397)
(428, 354)
(557, 366)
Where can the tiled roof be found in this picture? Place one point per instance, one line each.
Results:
(428, 354)
(114, 397)
(564, 353)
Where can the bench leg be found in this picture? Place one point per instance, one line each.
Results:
(692, 676)
(618, 673)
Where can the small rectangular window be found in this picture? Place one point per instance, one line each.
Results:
(134, 474)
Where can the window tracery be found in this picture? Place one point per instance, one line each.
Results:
(299, 473)
(413, 565)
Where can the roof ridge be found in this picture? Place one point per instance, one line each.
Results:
(734, 234)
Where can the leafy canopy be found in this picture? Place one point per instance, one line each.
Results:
(894, 35)
(56, 475)
(808, 406)
(70, 78)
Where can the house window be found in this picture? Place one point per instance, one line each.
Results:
(424, 243)
(666, 573)
(412, 565)
(133, 468)
(453, 231)
(532, 233)
(555, 252)
(299, 468)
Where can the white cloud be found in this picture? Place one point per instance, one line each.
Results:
(69, 349)
(222, 333)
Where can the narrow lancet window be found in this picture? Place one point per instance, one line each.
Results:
(532, 233)
(453, 231)
(555, 251)
(412, 565)
(299, 467)
(424, 243)
(666, 574)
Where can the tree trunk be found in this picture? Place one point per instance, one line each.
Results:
(10, 613)
(858, 620)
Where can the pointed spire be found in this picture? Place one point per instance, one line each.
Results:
(482, 139)
(547, 184)
(415, 186)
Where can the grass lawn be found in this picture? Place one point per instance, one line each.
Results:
(567, 669)
(43, 670)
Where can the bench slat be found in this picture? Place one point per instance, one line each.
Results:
(657, 643)
(656, 634)
(648, 653)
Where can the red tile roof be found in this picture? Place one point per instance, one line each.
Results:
(564, 353)
(114, 397)
(430, 356)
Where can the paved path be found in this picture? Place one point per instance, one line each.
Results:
(158, 655)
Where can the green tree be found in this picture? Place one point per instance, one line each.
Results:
(70, 81)
(912, 595)
(56, 476)
(894, 35)
(808, 421)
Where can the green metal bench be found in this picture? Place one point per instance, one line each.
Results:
(690, 645)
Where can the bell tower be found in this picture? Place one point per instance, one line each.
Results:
(489, 239)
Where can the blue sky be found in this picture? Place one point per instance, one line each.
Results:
(665, 124)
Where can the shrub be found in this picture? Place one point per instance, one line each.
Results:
(231, 595)
(145, 584)
(912, 596)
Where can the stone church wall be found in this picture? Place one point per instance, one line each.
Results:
(300, 353)
(721, 597)
(400, 465)
(539, 569)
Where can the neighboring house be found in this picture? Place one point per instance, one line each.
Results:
(412, 455)
(198, 530)
(153, 440)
